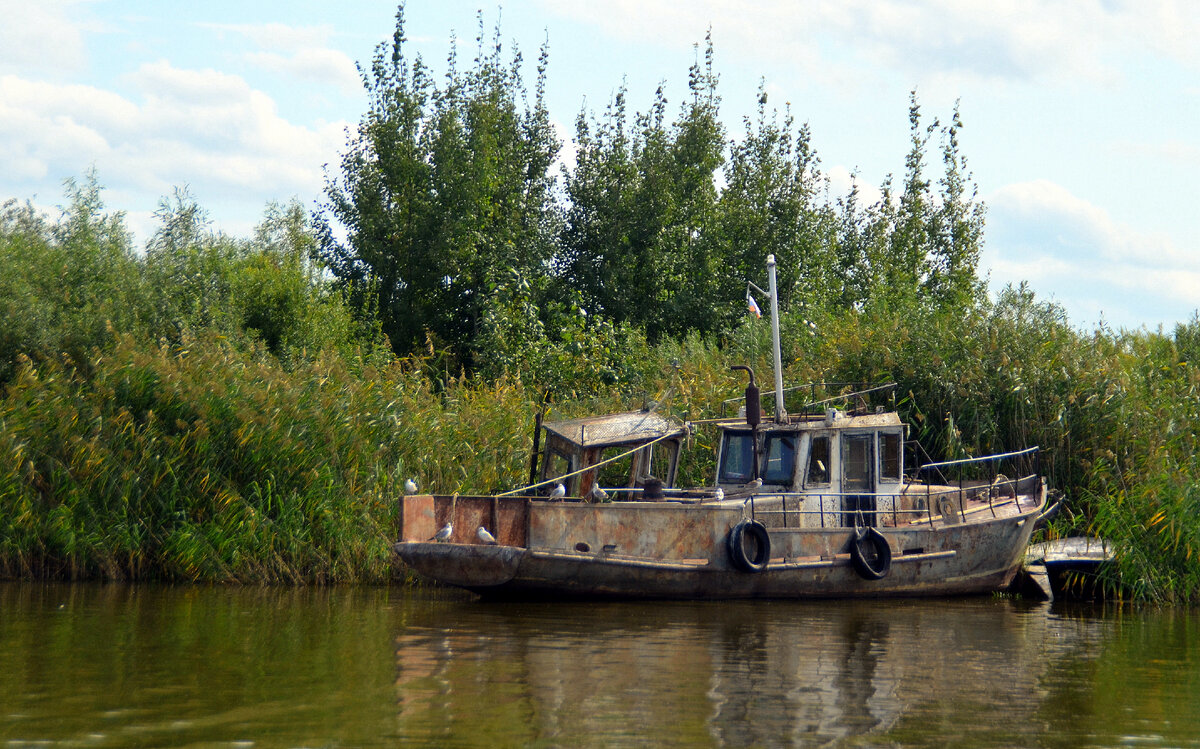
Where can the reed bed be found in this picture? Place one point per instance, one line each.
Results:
(209, 461)
(212, 459)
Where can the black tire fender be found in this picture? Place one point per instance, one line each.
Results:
(870, 566)
(737, 546)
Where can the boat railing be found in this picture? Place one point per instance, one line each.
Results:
(985, 468)
(996, 494)
(859, 394)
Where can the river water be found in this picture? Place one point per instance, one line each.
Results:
(115, 665)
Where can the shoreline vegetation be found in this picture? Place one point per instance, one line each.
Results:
(216, 409)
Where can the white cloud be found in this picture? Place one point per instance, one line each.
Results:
(279, 36)
(568, 152)
(1074, 222)
(205, 129)
(301, 52)
(322, 66)
(1010, 40)
(842, 179)
(41, 35)
(1168, 151)
(1074, 251)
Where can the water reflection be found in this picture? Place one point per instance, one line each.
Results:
(152, 666)
(722, 673)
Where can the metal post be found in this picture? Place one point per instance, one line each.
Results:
(962, 512)
(537, 445)
(779, 410)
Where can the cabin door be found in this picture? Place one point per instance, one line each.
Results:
(858, 480)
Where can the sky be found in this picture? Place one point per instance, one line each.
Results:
(1082, 117)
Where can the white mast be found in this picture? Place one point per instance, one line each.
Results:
(780, 414)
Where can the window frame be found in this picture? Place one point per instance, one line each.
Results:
(744, 437)
(780, 436)
(809, 458)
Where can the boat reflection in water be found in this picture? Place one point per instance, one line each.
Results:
(729, 673)
(113, 665)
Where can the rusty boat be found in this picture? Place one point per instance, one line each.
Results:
(828, 501)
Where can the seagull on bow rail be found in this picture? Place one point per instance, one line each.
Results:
(485, 537)
(559, 492)
(719, 494)
(599, 495)
(444, 533)
(410, 486)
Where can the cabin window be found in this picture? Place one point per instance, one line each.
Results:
(557, 464)
(818, 461)
(780, 459)
(659, 461)
(889, 456)
(737, 457)
(616, 473)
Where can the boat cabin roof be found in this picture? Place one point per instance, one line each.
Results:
(832, 419)
(615, 429)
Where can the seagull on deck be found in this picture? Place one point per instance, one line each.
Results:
(410, 486)
(755, 484)
(559, 492)
(599, 495)
(444, 533)
(719, 494)
(485, 537)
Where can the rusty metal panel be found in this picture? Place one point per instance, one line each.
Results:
(417, 518)
(422, 515)
(973, 557)
(653, 531)
(511, 513)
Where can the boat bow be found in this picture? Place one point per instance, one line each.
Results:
(466, 565)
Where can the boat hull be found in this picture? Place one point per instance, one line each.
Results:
(976, 558)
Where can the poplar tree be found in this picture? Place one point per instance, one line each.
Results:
(445, 195)
(773, 201)
(639, 243)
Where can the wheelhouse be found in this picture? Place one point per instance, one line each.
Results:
(849, 465)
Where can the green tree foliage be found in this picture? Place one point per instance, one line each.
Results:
(640, 242)
(69, 287)
(64, 286)
(192, 264)
(445, 195)
(774, 199)
(267, 287)
(457, 238)
(920, 248)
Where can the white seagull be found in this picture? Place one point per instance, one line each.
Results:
(410, 486)
(485, 537)
(559, 492)
(719, 494)
(444, 533)
(598, 494)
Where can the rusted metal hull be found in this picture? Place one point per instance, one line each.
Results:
(541, 574)
(677, 551)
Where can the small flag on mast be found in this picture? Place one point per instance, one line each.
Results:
(753, 305)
